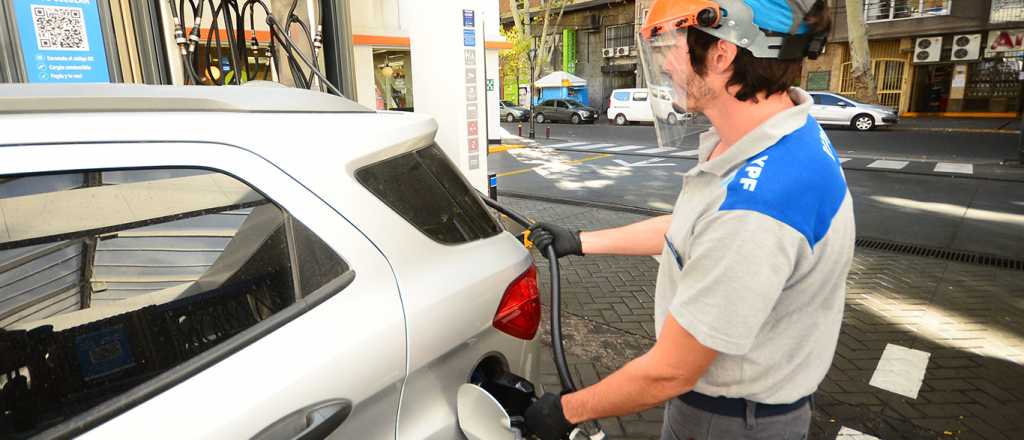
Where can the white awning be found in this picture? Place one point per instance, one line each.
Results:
(560, 79)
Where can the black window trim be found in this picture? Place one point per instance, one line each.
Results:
(83, 422)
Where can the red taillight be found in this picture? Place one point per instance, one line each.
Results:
(519, 311)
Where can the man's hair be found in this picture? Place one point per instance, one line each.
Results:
(755, 75)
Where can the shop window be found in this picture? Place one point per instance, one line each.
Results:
(619, 35)
(110, 279)
(883, 10)
(993, 86)
(392, 73)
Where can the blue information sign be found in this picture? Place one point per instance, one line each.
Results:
(468, 18)
(469, 37)
(61, 41)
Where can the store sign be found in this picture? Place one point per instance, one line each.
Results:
(61, 41)
(819, 80)
(468, 18)
(1007, 40)
(469, 37)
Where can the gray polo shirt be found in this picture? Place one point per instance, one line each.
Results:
(756, 258)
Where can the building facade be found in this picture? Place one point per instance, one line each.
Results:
(932, 57)
(594, 40)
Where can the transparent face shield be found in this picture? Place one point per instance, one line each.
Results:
(666, 63)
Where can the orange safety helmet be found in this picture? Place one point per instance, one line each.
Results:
(676, 14)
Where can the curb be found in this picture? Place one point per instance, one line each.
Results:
(957, 130)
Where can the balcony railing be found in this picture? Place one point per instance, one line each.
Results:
(886, 10)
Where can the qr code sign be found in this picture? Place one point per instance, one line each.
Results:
(60, 28)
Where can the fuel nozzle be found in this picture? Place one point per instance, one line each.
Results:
(193, 37)
(318, 39)
(179, 36)
(513, 392)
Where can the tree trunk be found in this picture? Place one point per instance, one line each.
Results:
(860, 55)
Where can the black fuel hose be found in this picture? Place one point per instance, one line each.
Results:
(557, 346)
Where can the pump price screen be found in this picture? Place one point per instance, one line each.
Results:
(61, 41)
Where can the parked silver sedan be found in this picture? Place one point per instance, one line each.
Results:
(833, 109)
(512, 113)
(172, 268)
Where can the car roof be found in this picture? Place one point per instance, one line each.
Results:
(312, 125)
(256, 96)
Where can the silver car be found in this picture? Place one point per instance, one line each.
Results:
(172, 268)
(833, 109)
(512, 113)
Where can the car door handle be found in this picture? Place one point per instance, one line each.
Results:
(314, 422)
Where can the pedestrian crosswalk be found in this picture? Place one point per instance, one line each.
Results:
(889, 164)
(848, 162)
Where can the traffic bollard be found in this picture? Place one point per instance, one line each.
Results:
(547, 132)
(520, 126)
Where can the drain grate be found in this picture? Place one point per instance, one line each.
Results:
(942, 254)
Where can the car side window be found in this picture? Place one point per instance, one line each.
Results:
(621, 96)
(816, 98)
(548, 103)
(829, 100)
(426, 189)
(562, 104)
(109, 279)
(640, 96)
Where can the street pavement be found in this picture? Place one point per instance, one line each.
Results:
(929, 349)
(975, 142)
(907, 202)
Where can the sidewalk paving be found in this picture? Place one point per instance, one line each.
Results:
(967, 321)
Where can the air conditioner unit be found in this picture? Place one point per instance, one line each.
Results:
(608, 52)
(927, 50)
(622, 51)
(966, 47)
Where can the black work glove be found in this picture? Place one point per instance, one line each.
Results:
(545, 419)
(565, 241)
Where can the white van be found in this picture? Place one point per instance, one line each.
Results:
(641, 105)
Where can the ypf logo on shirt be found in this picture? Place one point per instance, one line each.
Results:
(753, 171)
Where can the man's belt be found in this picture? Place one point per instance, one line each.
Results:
(737, 407)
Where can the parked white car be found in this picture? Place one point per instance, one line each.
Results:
(643, 105)
(175, 262)
(833, 109)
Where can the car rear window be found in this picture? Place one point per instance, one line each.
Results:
(621, 96)
(424, 187)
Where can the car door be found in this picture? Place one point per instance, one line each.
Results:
(828, 111)
(845, 111)
(641, 107)
(182, 290)
(562, 111)
(619, 103)
(547, 108)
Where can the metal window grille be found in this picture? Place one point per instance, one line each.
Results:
(618, 35)
(884, 10)
(1005, 11)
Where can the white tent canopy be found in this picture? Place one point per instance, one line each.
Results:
(559, 79)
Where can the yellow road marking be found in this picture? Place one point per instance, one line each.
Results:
(571, 162)
(500, 148)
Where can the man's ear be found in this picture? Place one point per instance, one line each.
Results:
(721, 57)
